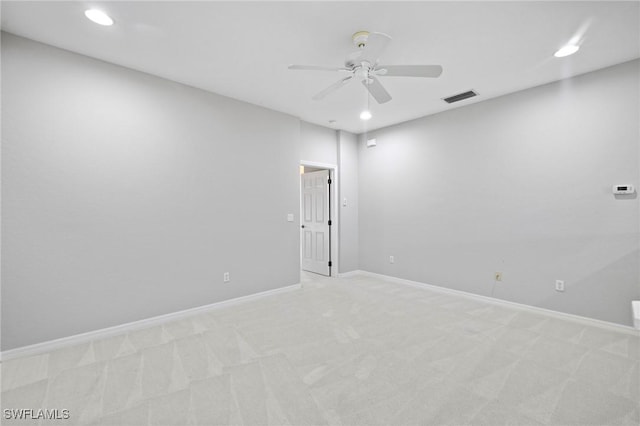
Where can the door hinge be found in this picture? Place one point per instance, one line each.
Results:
(329, 223)
(329, 264)
(329, 181)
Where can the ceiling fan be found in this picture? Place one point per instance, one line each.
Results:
(363, 65)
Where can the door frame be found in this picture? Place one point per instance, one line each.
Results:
(333, 173)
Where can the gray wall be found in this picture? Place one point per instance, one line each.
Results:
(127, 196)
(318, 144)
(519, 184)
(348, 223)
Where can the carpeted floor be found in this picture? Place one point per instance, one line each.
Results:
(352, 351)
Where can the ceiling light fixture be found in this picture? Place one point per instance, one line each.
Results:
(99, 17)
(365, 115)
(567, 50)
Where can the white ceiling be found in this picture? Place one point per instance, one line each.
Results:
(242, 49)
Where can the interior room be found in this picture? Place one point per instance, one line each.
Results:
(320, 213)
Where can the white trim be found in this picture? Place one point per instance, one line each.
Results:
(556, 314)
(335, 220)
(351, 274)
(318, 165)
(51, 345)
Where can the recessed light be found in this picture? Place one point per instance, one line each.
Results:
(567, 50)
(365, 115)
(99, 17)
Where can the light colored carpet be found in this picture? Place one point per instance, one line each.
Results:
(346, 352)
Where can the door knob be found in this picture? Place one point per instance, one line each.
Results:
(302, 226)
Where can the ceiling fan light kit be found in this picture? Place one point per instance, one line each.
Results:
(365, 115)
(364, 65)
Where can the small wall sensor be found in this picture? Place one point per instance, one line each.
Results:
(623, 189)
(371, 142)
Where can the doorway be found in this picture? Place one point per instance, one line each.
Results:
(318, 227)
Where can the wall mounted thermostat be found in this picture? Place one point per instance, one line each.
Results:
(623, 189)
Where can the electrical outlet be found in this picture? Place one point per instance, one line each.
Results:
(392, 259)
(226, 277)
(498, 276)
(559, 285)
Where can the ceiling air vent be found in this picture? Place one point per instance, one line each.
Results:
(460, 97)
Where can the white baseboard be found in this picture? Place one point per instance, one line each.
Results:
(556, 314)
(102, 333)
(51, 345)
(351, 274)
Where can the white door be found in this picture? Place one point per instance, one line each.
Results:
(316, 222)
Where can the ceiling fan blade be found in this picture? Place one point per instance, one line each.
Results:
(375, 45)
(376, 89)
(316, 68)
(409, 70)
(335, 86)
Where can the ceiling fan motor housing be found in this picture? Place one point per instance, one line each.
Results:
(360, 41)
